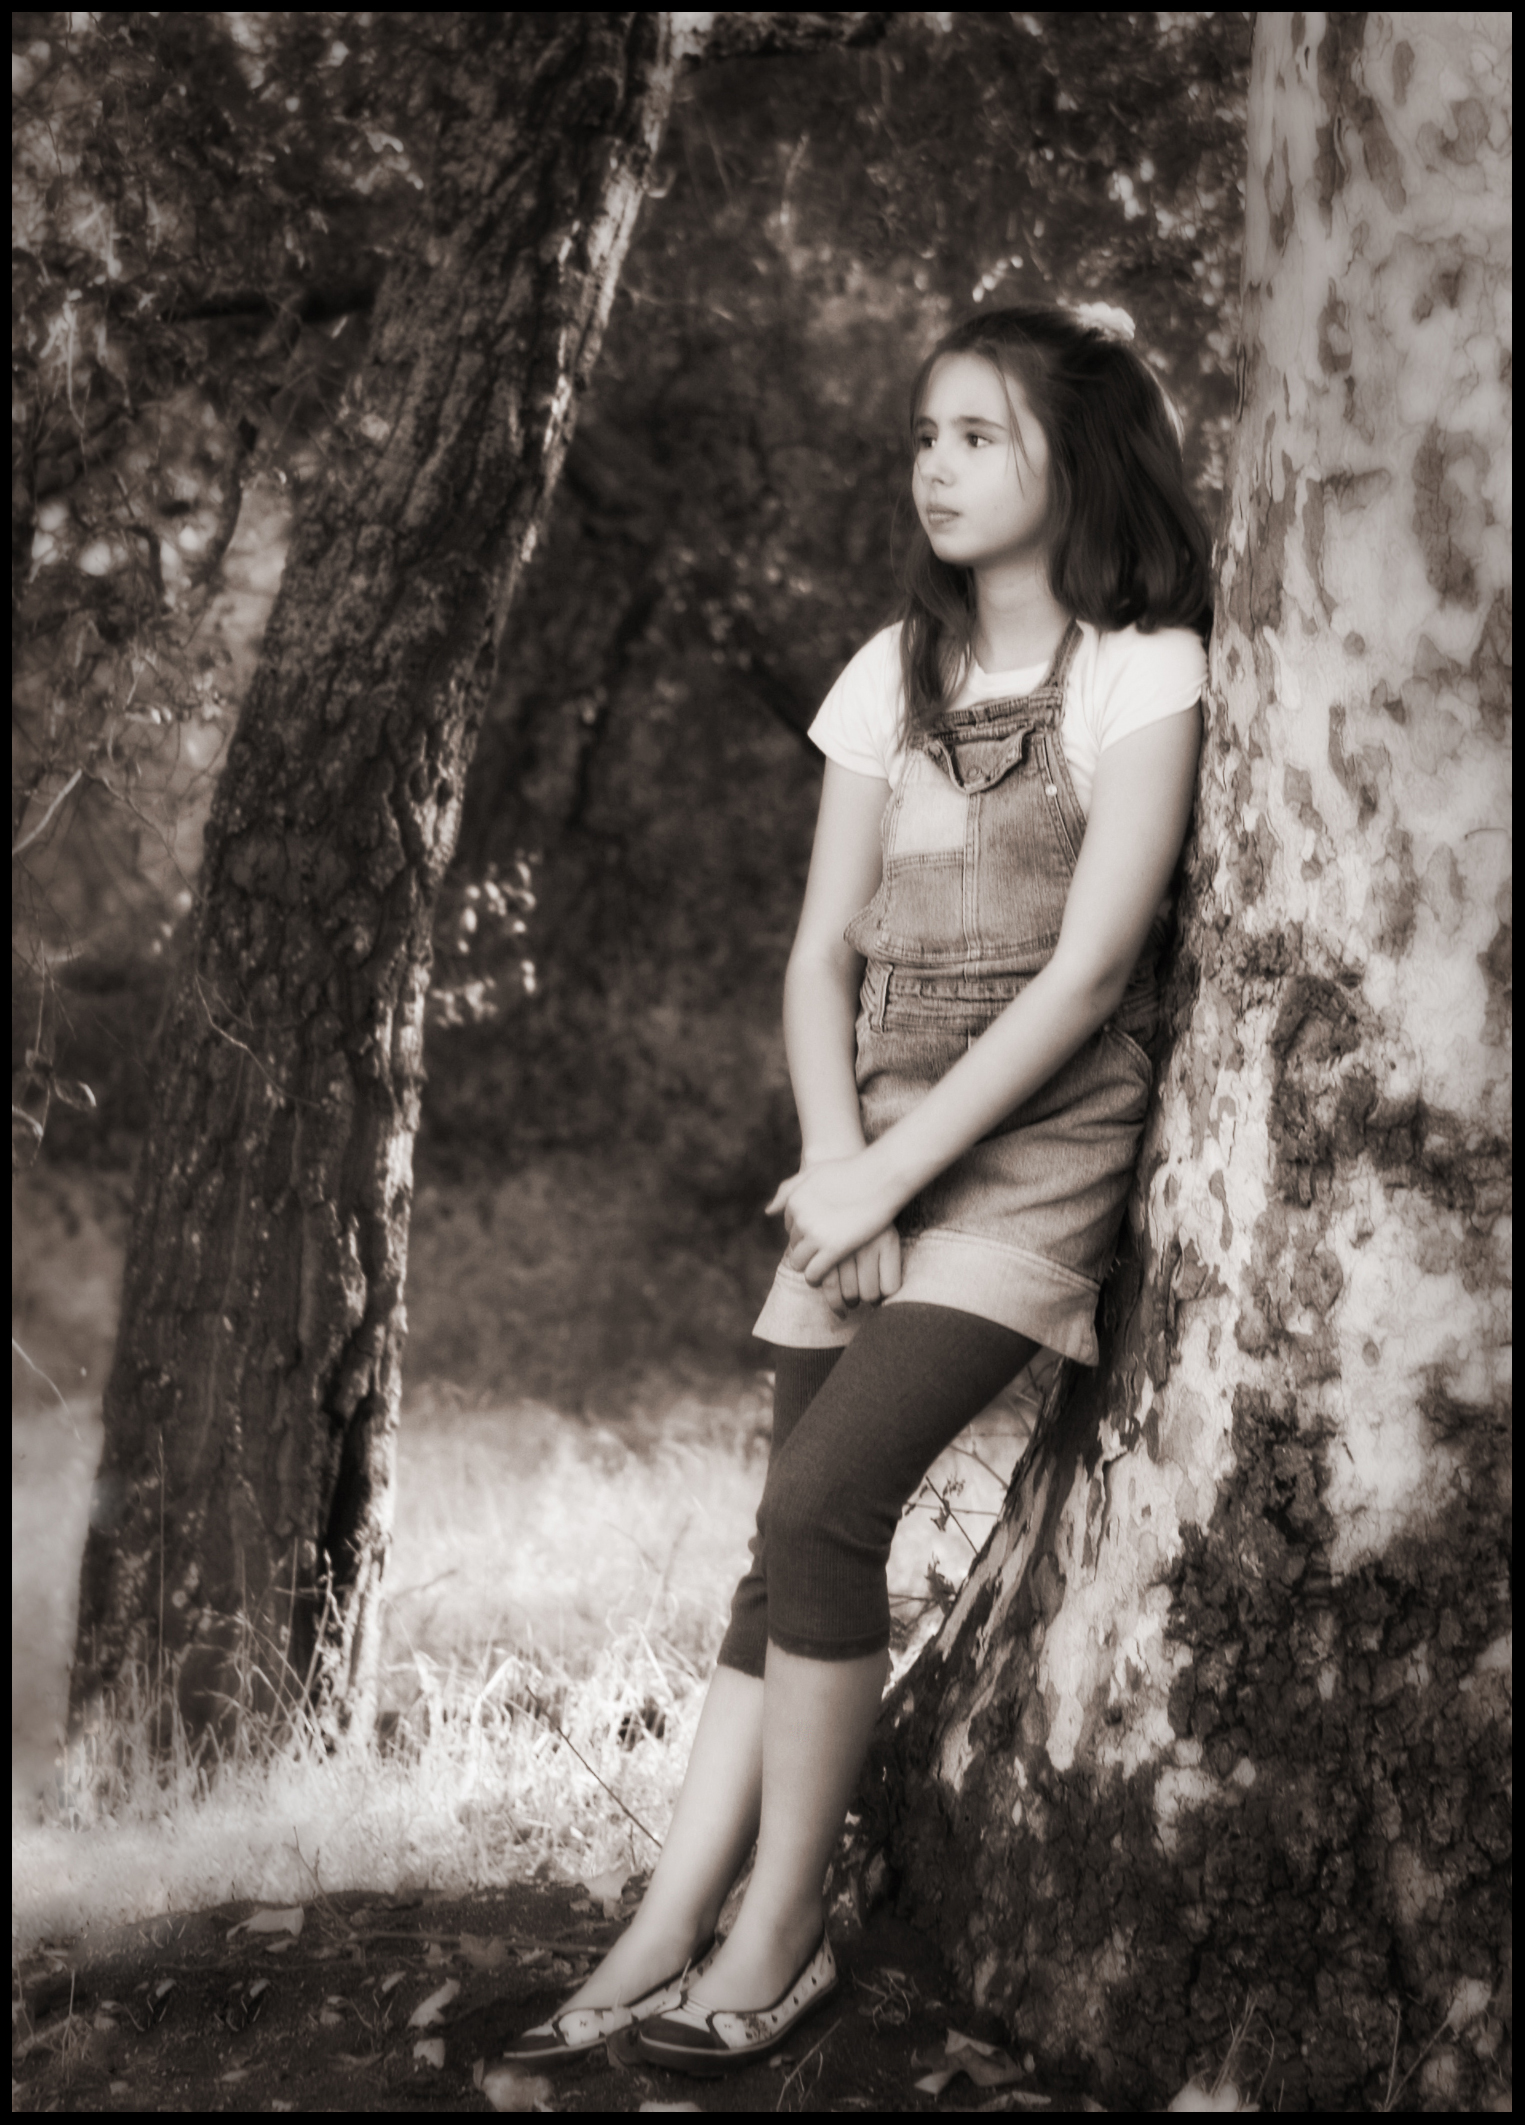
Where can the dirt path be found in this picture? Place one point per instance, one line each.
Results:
(203, 2012)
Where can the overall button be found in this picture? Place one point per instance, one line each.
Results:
(976, 778)
(1051, 789)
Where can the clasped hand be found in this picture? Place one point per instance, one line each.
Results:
(841, 1224)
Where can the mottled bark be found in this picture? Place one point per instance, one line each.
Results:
(1221, 1716)
(241, 1517)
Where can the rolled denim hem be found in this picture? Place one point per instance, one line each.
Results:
(1025, 1292)
(834, 1649)
(798, 1317)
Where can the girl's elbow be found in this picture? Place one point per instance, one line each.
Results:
(815, 964)
(1096, 986)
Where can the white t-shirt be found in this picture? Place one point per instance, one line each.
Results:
(1119, 682)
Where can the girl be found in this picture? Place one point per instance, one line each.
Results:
(1009, 775)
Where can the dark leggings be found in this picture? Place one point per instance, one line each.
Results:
(854, 1432)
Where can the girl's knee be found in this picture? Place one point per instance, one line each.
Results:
(813, 1510)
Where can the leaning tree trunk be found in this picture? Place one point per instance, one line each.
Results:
(1219, 1721)
(242, 1511)
(241, 1516)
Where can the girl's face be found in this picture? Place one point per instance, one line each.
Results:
(980, 487)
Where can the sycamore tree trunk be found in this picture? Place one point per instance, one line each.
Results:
(241, 1514)
(1219, 1723)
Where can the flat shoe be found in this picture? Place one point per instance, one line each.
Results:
(710, 2041)
(577, 2031)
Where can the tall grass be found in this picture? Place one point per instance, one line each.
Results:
(556, 1595)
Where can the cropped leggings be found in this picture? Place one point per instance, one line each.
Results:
(854, 1432)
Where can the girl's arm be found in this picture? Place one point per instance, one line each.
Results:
(821, 984)
(1140, 807)
(821, 1008)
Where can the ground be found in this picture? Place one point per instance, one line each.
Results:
(200, 2012)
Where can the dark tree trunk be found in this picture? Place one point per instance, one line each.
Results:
(240, 1522)
(1220, 1721)
(241, 1516)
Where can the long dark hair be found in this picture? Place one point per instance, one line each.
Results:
(1127, 546)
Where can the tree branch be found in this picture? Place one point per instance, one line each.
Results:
(703, 39)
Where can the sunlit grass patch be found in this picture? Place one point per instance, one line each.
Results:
(557, 1593)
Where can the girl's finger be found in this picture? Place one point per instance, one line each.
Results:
(831, 1291)
(846, 1274)
(781, 1195)
(866, 1269)
(818, 1267)
(889, 1263)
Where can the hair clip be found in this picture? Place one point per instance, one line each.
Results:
(1105, 318)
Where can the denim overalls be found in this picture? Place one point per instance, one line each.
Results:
(980, 841)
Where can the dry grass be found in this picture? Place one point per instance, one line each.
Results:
(559, 1591)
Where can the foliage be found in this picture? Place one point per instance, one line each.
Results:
(206, 205)
(203, 209)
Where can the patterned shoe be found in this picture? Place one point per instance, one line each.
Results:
(578, 2031)
(709, 2041)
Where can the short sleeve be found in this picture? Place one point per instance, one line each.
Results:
(858, 724)
(1141, 679)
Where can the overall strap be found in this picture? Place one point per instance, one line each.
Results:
(1064, 657)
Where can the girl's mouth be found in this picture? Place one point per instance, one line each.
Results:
(941, 516)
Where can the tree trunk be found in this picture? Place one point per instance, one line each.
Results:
(241, 1516)
(1219, 1721)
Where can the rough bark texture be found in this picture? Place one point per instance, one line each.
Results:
(1221, 1716)
(241, 1517)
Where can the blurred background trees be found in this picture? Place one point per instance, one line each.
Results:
(206, 205)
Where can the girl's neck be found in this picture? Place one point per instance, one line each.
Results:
(1020, 622)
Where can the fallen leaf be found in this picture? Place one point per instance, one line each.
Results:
(431, 2049)
(986, 2064)
(239, 2073)
(289, 1921)
(507, 2090)
(432, 2009)
(484, 1951)
(329, 2017)
(606, 1889)
(394, 1978)
(1197, 2096)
